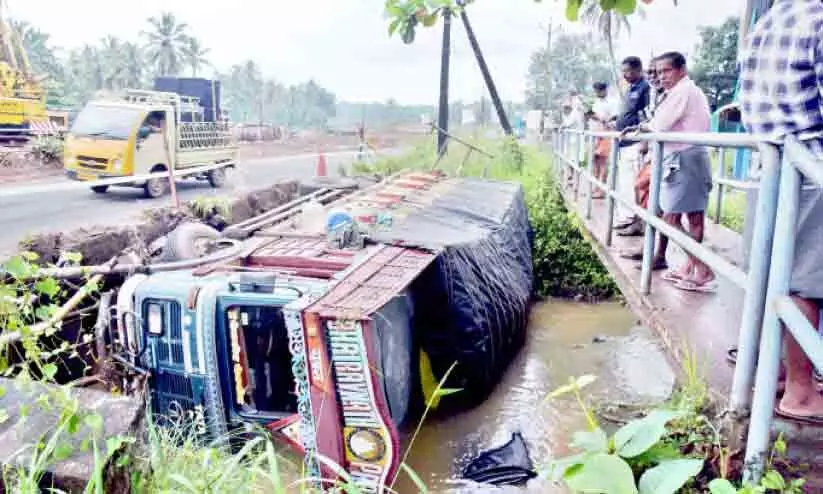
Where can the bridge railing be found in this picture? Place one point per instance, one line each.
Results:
(569, 146)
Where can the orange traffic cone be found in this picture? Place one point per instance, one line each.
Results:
(321, 165)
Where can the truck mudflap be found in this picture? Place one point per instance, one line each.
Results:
(351, 422)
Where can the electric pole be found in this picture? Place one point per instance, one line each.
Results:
(443, 110)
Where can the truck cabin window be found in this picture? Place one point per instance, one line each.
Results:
(260, 360)
(106, 122)
(153, 124)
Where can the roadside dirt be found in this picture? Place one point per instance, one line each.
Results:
(98, 245)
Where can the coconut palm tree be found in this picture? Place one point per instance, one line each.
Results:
(608, 24)
(166, 43)
(194, 55)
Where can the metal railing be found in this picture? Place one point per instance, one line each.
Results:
(767, 269)
(797, 161)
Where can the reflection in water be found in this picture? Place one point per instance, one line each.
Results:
(560, 345)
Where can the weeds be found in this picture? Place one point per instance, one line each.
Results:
(205, 207)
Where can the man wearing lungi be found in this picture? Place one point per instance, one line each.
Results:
(687, 172)
(781, 78)
(604, 113)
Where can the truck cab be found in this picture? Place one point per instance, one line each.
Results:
(136, 133)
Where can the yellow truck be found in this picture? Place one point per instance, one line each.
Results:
(137, 132)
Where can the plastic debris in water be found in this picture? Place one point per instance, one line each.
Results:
(509, 464)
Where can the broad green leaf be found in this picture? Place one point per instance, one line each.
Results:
(607, 4)
(625, 7)
(430, 20)
(591, 441)
(721, 486)
(658, 453)
(94, 421)
(2, 391)
(49, 371)
(779, 446)
(572, 9)
(73, 257)
(4, 416)
(602, 473)
(638, 436)
(394, 25)
(29, 256)
(48, 287)
(669, 476)
(62, 451)
(17, 267)
(558, 468)
(773, 480)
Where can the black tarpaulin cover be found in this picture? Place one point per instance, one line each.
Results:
(472, 303)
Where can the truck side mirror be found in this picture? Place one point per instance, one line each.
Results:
(143, 132)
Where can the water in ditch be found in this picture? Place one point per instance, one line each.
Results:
(566, 339)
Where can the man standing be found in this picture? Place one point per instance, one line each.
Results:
(687, 173)
(780, 94)
(633, 112)
(603, 116)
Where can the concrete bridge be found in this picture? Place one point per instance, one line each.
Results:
(751, 298)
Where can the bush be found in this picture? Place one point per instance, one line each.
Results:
(49, 149)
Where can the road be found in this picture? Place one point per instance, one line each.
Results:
(51, 211)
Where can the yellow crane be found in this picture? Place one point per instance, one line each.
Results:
(22, 96)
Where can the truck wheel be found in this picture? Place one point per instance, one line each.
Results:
(398, 357)
(188, 241)
(100, 189)
(217, 177)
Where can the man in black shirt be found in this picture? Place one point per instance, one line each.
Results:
(633, 111)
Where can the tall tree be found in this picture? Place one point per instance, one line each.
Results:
(715, 63)
(583, 61)
(167, 41)
(194, 55)
(609, 24)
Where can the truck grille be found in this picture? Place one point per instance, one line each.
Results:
(92, 162)
(172, 396)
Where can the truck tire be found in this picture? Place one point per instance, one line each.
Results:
(217, 177)
(156, 187)
(187, 241)
(398, 357)
(100, 189)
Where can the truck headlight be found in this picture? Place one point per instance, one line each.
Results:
(155, 319)
(117, 164)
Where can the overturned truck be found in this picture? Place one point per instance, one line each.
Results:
(339, 309)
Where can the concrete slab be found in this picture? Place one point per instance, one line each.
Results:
(22, 431)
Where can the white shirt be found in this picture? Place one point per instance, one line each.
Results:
(605, 109)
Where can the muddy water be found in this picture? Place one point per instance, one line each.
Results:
(565, 339)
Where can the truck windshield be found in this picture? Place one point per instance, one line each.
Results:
(106, 121)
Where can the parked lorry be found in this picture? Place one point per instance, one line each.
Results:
(137, 132)
(327, 340)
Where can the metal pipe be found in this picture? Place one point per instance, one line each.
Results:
(754, 297)
(711, 139)
(768, 362)
(800, 156)
(589, 186)
(578, 147)
(722, 174)
(652, 207)
(612, 182)
(803, 332)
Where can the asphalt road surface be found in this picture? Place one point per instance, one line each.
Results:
(51, 211)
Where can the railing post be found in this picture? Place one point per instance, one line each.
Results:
(768, 362)
(576, 160)
(722, 174)
(653, 206)
(611, 182)
(589, 189)
(754, 298)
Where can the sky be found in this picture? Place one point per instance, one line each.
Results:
(344, 44)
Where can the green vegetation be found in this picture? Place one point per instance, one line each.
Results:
(675, 447)
(564, 263)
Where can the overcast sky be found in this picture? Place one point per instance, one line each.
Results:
(343, 44)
